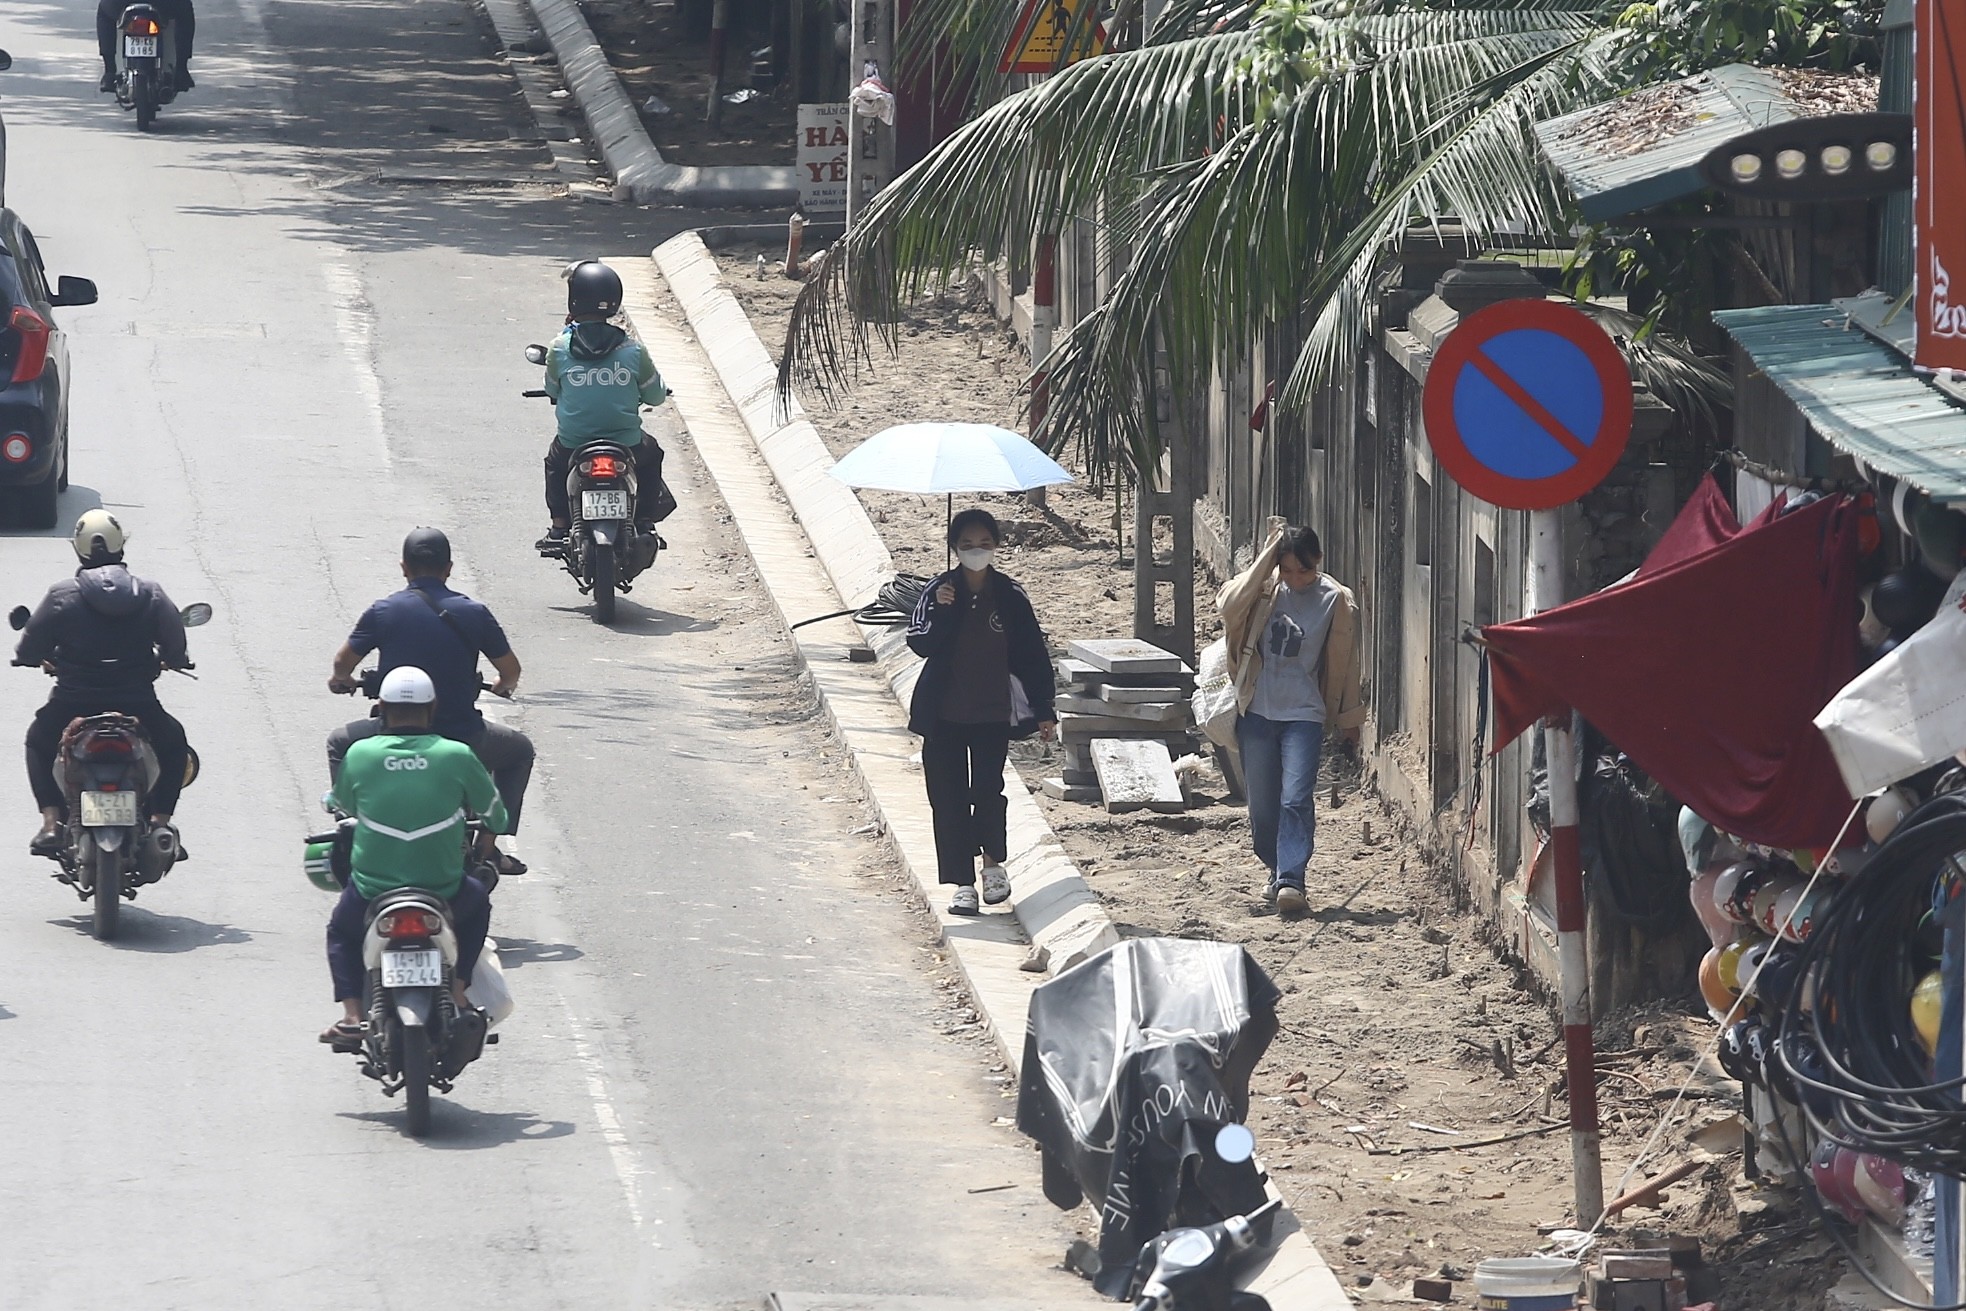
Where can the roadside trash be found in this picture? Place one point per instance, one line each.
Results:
(1522, 1283)
(872, 99)
(743, 97)
(561, 94)
(1123, 1111)
(656, 105)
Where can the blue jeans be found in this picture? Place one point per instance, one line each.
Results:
(1279, 770)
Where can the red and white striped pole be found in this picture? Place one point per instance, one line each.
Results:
(1573, 956)
(1044, 319)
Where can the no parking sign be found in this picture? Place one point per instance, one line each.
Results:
(1528, 404)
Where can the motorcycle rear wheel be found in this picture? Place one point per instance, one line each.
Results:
(106, 877)
(602, 565)
(414, 1051)
(143, 91)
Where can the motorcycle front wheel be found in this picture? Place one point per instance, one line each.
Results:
(143, 91)
(106, 877)
(602, 565)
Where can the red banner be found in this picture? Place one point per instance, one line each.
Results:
(1939, 193)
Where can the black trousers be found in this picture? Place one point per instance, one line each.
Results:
(506, 754)
(648, 477)
(184, 26)
(963, 766)
(165, 733)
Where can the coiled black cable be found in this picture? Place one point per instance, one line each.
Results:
(892, 606)
(1853, 1053)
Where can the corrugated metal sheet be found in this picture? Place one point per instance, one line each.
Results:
(1717, 107)
(1859, 394)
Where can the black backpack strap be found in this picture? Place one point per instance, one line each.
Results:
(450, 620)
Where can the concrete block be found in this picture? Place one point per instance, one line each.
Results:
(1077, 673)
(1083, 777)
(1127, 655)
(1137, 776)
(1059, 790)
(1077, 725)
(1153, 713)
(1141, 695)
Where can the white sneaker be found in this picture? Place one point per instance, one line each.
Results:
(963, 901)
(1291, 899)
(996, 885)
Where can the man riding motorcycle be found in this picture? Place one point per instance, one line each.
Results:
(108, 635)
(431, 627)
(184, 26)
(599, 379)
(411, 791)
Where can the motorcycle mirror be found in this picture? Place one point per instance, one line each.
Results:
(1234, 1143)
(17, 618)
(196, 614)
(6, 61)
(536, 354)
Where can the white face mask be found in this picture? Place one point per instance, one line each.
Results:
(976, 558)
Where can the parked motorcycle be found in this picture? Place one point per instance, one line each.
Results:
(1194, 1269)
(107, 769)
(605, 552)
(146, 62)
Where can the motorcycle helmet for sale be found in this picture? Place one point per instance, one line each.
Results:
(1736, 1054)
(592, 288)
(1887, 811)
(1719, 997)
(1926, 1000)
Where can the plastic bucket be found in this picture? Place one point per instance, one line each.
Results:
(1530, 1283)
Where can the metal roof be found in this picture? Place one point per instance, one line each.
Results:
(1858, 393)
(1690, 118)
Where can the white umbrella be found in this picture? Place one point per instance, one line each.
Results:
(949, 458)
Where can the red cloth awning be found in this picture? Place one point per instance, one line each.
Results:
(1708, 667)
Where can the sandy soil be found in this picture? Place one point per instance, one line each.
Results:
(1407, 1040)
(645, 43)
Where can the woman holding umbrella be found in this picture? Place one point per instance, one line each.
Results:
(986, 680)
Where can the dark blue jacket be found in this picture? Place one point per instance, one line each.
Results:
(406, 631)
(932, 633)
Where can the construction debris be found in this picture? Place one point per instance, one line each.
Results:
(1130, 699)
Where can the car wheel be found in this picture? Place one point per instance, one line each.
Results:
(62, 463)
(40, 502)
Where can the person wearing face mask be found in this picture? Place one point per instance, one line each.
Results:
(1292, 636)
(986, 680)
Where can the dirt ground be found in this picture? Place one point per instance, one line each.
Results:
(644, 41)
(1408, 1042)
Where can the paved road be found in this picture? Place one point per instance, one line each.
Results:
(723, 1078)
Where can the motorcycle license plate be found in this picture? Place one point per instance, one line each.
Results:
(412, 969)
(604, 505)
(109, 809)
(140, 47)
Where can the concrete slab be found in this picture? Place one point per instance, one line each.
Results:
(1127, 655)
(1141, 695)
(1059, 789)
(1151, 713)
(1137, 776)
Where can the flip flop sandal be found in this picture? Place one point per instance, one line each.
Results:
(343, 1036)
(509, 865)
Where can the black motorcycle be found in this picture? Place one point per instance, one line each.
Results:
(1194, 1269)
(107, 768)
(146, 62)
(604, 549)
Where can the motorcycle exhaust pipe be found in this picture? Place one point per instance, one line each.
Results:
(157, 854)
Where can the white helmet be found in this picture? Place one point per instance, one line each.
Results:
(99, 538)
(408, 685)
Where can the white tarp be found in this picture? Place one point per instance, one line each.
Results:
(1907, 711)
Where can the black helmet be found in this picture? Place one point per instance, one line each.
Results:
(593, 288)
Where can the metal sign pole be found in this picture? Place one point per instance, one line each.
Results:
(1573, 956)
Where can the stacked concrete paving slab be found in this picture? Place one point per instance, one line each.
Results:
(1123, 715)
(1061, 917)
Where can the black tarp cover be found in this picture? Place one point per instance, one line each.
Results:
(1132, 1061)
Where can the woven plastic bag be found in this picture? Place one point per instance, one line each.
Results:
(1214, 698)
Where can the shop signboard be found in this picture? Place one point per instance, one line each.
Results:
(1528, 404)
(822, 160)
(1939, 186)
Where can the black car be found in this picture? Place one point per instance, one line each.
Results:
(33, 378)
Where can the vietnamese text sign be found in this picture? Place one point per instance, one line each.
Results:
(1939, 188)
(822, 159)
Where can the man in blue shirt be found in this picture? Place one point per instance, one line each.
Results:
(442, 632)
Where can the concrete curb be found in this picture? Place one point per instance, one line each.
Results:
(641, 175)
(810, 530)
(513, 24)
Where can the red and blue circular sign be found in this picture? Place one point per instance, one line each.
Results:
(1528, 404)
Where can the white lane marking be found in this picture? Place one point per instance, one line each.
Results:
(620, 1150)
(355, 329)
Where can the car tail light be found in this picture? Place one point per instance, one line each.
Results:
(408, 924)
(34, 333)
(16, 448)
(141, 26)
(601, 466)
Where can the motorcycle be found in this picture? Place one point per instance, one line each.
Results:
(604, 551)
(146, 62)
(414, 1037)
(1194, 1269)
(107, 769)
